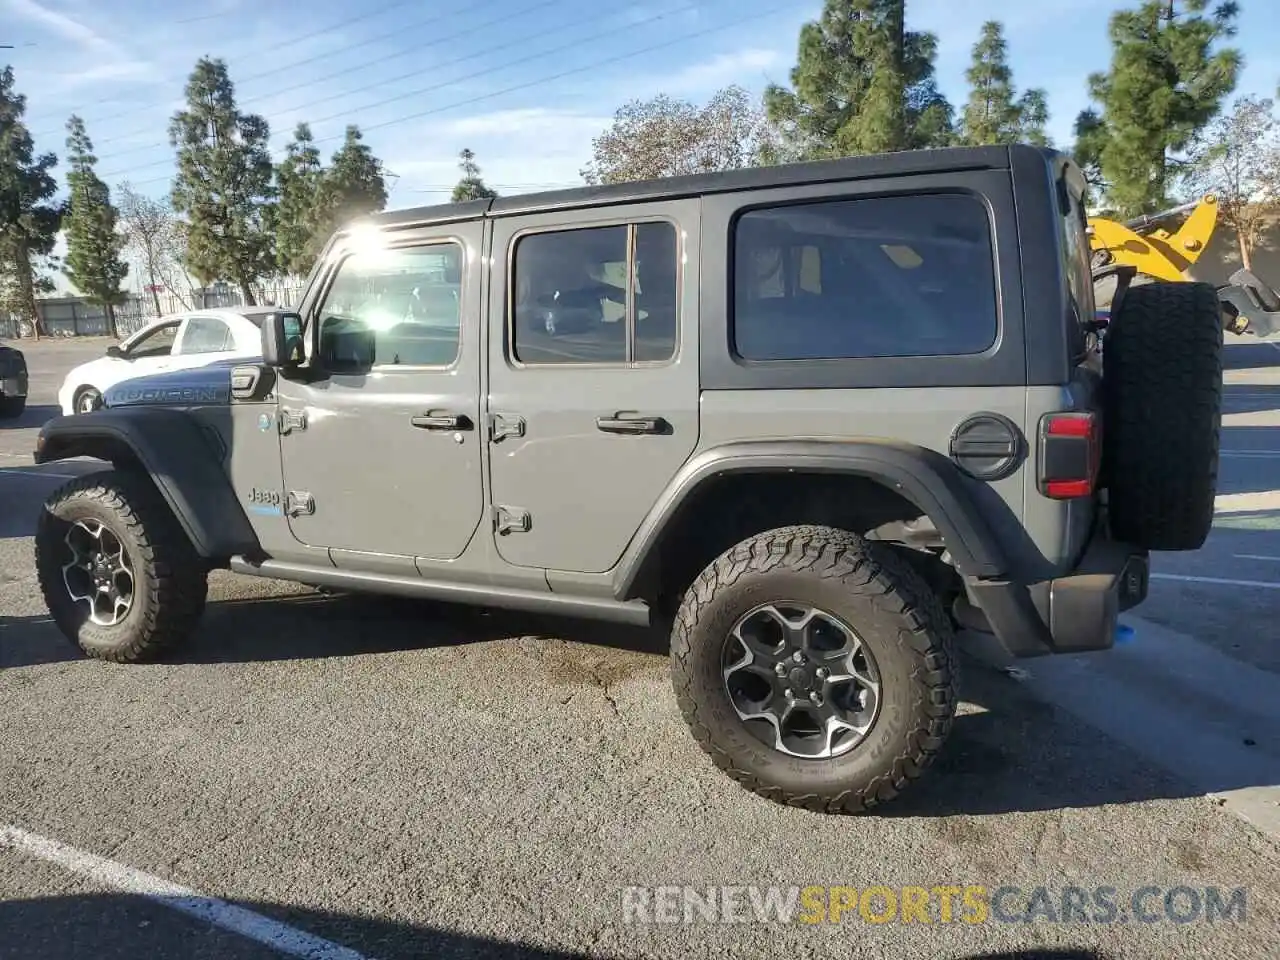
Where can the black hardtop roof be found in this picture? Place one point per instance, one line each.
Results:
(905, 163)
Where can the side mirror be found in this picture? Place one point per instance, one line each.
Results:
(115, 351)
(282, 340)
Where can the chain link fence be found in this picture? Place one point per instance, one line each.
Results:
(74, 317)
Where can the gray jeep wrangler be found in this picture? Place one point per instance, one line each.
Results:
(815, 420)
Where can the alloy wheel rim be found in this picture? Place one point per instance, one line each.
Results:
(801, 680)
(99, 573)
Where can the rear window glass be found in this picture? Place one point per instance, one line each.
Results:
(875, 277)
(1076, 265)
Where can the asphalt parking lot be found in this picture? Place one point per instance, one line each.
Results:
(358, 778)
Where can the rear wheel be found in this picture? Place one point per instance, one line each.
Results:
(118, 574)
(815, 668)
(12, 407)
(1163, 405)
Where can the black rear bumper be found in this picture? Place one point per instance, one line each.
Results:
(1074, 613)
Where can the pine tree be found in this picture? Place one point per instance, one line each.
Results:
(471, 186)
(29, 219)
(862, 83)
(1165, 84)
(297, 216)
(224, 184)
(94, 263)
(353, 186)
(994, 114)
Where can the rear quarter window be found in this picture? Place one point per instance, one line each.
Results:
(868, 277)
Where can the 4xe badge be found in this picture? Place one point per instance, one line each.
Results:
(265, 422)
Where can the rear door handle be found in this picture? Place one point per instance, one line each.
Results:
(632, 424)
(447, 421)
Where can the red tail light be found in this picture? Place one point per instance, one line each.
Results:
(1070, 454)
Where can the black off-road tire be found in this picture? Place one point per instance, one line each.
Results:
(1162, 386)
(170, 578)
(12, 407)
(896, 616)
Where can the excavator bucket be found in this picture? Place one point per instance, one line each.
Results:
(1249, 305)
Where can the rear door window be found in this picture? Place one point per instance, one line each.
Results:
(870, 277)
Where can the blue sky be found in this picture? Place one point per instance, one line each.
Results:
(525, 84)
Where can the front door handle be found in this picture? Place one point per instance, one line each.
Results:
(447, 421)
(633, 425)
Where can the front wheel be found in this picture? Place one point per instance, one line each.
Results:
(87, 400)
(815, 667)
(12, 407)
(118, 573)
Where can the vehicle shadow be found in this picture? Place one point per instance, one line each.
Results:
(35, 415)
(315, 625)
(1250, 397)
(31, 641)
(318, 624)
(106, 926)
(1249, 459)
(1008, 750)
(1250, 354)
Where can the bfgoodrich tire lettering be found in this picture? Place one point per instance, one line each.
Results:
(897, 618)
(1162, 385)
(169, 580)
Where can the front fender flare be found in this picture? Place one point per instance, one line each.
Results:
(172, 449)
(925, 477)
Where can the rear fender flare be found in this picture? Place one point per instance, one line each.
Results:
(171, 448)
(925, 477)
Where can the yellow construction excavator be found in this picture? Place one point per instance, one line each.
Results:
(1249, 305)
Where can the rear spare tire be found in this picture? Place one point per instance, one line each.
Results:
(1162, 386)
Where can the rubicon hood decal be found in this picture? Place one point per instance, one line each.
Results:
(201, 386)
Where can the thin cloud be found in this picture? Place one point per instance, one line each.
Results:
(723, 69)
(106, 61)
(59, 23)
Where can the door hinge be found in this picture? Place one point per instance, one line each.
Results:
(299, 503)
(291, 420)
(502, 426)
(511, 520)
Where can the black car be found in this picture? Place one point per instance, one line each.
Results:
(13, 382)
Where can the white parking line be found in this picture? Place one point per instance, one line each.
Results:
(1223, 581)
(1254, 556)
(255, 926)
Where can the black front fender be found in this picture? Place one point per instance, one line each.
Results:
(925, 477)
(171, 448)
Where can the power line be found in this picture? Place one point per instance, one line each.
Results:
(368, 14)
(358, 67)
(682, 38)
(630, 25)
